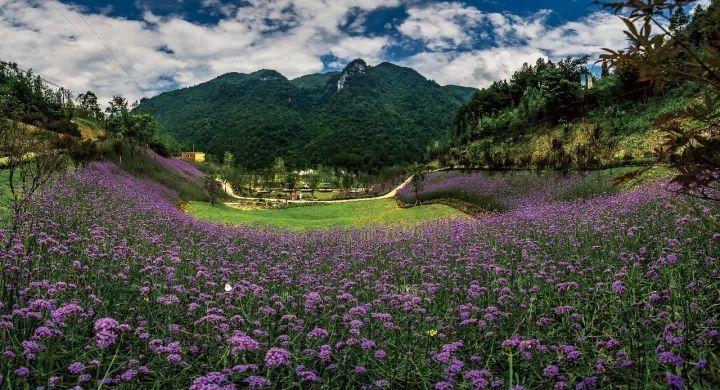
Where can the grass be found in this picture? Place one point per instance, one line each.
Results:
(5, 198)
(348, 214)
(142, 164)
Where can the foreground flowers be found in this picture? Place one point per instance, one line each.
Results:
(114, 285)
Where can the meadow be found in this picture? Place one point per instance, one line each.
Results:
(5, 196)
(380, 212)
(114, 286)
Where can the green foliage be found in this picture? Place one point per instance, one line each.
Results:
(28, 99)
(5, 197)
(685, 51)
(131, 127)
(593, 184)
(545, 92)
(363, 118)
(347, 215)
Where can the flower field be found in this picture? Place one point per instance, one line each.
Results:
(111, 285)
(500, 191)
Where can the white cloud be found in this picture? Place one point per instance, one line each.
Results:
(442, 25)
(477, 68)
(518, 40)
(286, 35)
(290, 36)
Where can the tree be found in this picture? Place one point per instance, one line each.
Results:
(279, 170)
(663, 56)
(419, 173)
(87, 106)
(129, 128)
(291, 180)
(31, 160)
(313, 181)
(212, 187)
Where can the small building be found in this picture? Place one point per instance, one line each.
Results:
(195, 157)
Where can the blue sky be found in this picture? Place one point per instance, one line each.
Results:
(141, 48)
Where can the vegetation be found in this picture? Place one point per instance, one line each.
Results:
(685, 51)
(381, 212)
(5, 198)
(27, 98)
(186, 180)
(30, 159)
(364, 118)
(618, 290)
(561, 116)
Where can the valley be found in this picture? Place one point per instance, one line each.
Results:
(216, 195)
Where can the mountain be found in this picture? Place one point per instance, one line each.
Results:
(363, 118)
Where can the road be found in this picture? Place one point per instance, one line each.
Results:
(228, 190)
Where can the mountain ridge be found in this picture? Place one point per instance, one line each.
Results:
(363, 117)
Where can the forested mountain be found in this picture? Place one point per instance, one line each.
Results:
(363, 118)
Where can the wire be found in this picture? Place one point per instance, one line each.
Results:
(99, 37)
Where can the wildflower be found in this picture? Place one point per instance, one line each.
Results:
(675, 382)
(174, 358)
(432, 332)
(242, 342)
(618, 287)
(277, 357)
(105, 331)
(551, 371)
(258, 382)
(228, 287)
(367, 344)
(212, 380)
(23, 372)
(318, 333)
(76, 368)
(128, 375)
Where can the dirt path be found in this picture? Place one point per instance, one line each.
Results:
(228, 190)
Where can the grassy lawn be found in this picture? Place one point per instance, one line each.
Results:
(5, 197)
(349, 214)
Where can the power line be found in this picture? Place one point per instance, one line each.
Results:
(14, 67)
(100, 38)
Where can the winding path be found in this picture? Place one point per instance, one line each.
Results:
(228, 190)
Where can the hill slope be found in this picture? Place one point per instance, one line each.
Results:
(362, 118)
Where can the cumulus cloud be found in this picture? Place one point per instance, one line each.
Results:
(442, 25)
(82, 50)
(518, 40)
(458, 43)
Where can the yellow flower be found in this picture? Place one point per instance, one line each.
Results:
(432, 332)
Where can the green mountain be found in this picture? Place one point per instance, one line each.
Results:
(363, 118)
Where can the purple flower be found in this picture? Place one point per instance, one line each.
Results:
(128, 375)
(317, 333)
(258, 382)
(76, 368)
(212, 381)
(242, 342)
(277, 357)
(106, 332)
(618, 287)
(675, 382)
(551, 371)
(174, 358)
(23, 372)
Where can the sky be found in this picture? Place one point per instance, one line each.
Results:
(141, 48)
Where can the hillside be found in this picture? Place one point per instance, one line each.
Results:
(364, 117)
